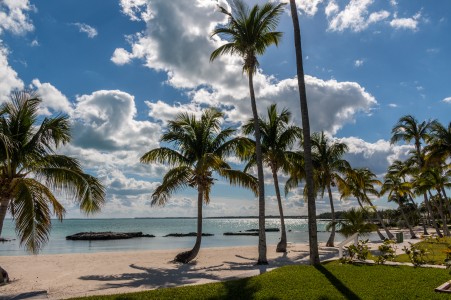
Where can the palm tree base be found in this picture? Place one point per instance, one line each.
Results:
(262, 263)
(185, 257)
(4, 278)
(281, 246)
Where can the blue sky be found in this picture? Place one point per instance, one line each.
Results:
(121, 69)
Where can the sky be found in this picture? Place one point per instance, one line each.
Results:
(121, 69)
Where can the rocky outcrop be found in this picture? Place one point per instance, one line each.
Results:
(94, 236)
(3, 276)
(5, 240)
(266, 230)
(186, 234)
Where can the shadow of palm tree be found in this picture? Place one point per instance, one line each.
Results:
(343, 289)
(152, 278)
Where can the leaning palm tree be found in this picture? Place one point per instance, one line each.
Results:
(409, 129)
(200, 149)
(31, 171)
(308, 165)
(278, 138)
(328, 162)
(249, 33)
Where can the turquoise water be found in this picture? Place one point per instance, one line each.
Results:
(159, 227)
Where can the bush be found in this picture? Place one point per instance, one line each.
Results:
(387, 252)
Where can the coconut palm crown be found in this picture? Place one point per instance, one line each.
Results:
(200, 149)
(31, 171)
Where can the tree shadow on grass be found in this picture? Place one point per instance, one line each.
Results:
(343, 289)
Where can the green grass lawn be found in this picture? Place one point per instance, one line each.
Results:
(328, 281)
(434, 248)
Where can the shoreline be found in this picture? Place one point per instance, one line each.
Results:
(59, 276)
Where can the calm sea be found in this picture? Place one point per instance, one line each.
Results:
(57, 244)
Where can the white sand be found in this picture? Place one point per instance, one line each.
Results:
(70, 275)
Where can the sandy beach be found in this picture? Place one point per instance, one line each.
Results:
(72, 275)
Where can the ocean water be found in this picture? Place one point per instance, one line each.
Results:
(297, 233)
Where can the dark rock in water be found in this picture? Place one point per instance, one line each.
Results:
(5, 240)
(241, 233)
(266, 230)
(94, 236)
(186, 234)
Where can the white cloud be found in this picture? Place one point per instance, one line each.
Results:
(393, 105)
(14, 17)
(406, 23)
(309, 7)
(85, 28)
(447, 100)
(34, 43)
(162, 111)
(355, 16)
(9, 80)
(121, 56)
(52, 99)
(137, 10)
(358, 62)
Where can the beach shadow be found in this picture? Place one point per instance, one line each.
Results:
(152, 278)
(23, 296)
(343, 289)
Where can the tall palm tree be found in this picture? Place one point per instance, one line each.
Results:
(409, 129)
(308, 165)
(439, 139)
(200, 149)
(249, 33)
(278, 138)
(328, 162)
(31, 170)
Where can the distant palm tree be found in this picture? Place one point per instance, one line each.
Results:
(250, 32)
(328, 163)
(409, 129)
(398, 191)
(359, 183)
(31, 170)
(200, 149)
(278, 138)
(308, 164)
(353, 221)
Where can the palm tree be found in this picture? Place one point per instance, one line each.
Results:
(308, 165)
(439, 139)
(328, 162)
(353, 221)
(398, 191)
(359, 183)
(407, 129)
(31, 170)
(200, 149)
(250, 32)
(277, 141)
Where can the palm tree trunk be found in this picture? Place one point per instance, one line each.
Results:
(187, 256)
(262, 260)
(434, 223)
(330, 241)
(381, 236)
(3, 211)
(389, 234)
(412, 233)
(308, 165)
(442, 214)
(417, 209)
(282, 245)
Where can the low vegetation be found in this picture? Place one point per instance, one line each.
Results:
(328, 281)
(435, 251)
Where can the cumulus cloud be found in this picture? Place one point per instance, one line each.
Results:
(14, 16)
(406, 23)
(358, 62)
(447, 100)
(9, 80)
(309, 7)
(85, 28)
(121, 56)
(52, 99)
(355, 16)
